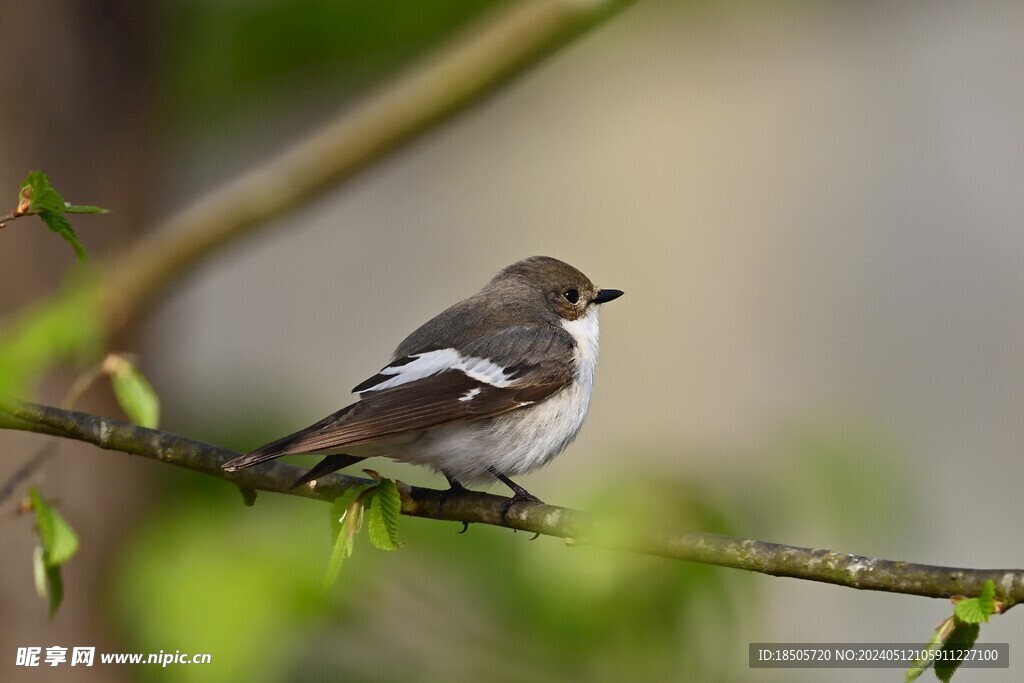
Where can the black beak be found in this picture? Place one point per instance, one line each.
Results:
(606, 295)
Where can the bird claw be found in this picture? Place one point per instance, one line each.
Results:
(521, 496)
(456, 489)
(465, 527)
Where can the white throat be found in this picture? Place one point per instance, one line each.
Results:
(585, 331)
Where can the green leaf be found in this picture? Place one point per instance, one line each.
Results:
(342, 551)
(349, 523)
(59, 540)
(39, 571)
(41, 195)
(962, 637)
(83, 208)
(978, 610)
(384, 506)
(58, 224)
(385, 509)
(938, 638)
(341, 505)
(987, 599)
(969, 611)
(958, 632)
(134, 394)
(56, 587)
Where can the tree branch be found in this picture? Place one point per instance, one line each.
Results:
(457, 75)
(461, 72)
(826, 566)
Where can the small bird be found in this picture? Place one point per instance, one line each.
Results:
(496, 385)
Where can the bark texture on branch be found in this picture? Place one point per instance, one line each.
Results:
(827, 566)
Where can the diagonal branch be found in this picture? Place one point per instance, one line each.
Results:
(826, 566)
(459, 74)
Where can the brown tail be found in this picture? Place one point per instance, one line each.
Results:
(275, 449)
(261, 454)
(331, 463)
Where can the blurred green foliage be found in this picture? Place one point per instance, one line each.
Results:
(67, 327)
(245, 584)
(230, 54)
(856, 480)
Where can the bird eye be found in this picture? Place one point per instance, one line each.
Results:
(571, 295)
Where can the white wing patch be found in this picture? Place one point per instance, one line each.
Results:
(434, 362)
(470, 395)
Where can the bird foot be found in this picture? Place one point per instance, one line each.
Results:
(521, 496)
(455, 489)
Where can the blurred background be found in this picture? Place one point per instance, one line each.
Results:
(814, 210)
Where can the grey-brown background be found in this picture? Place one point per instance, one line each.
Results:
(814, 210)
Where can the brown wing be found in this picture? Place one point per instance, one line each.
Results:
(421, 404)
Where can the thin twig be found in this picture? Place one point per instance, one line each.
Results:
(23, 473)
(775, 559)
(13, 215)
(24, 208)
(49, 449)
